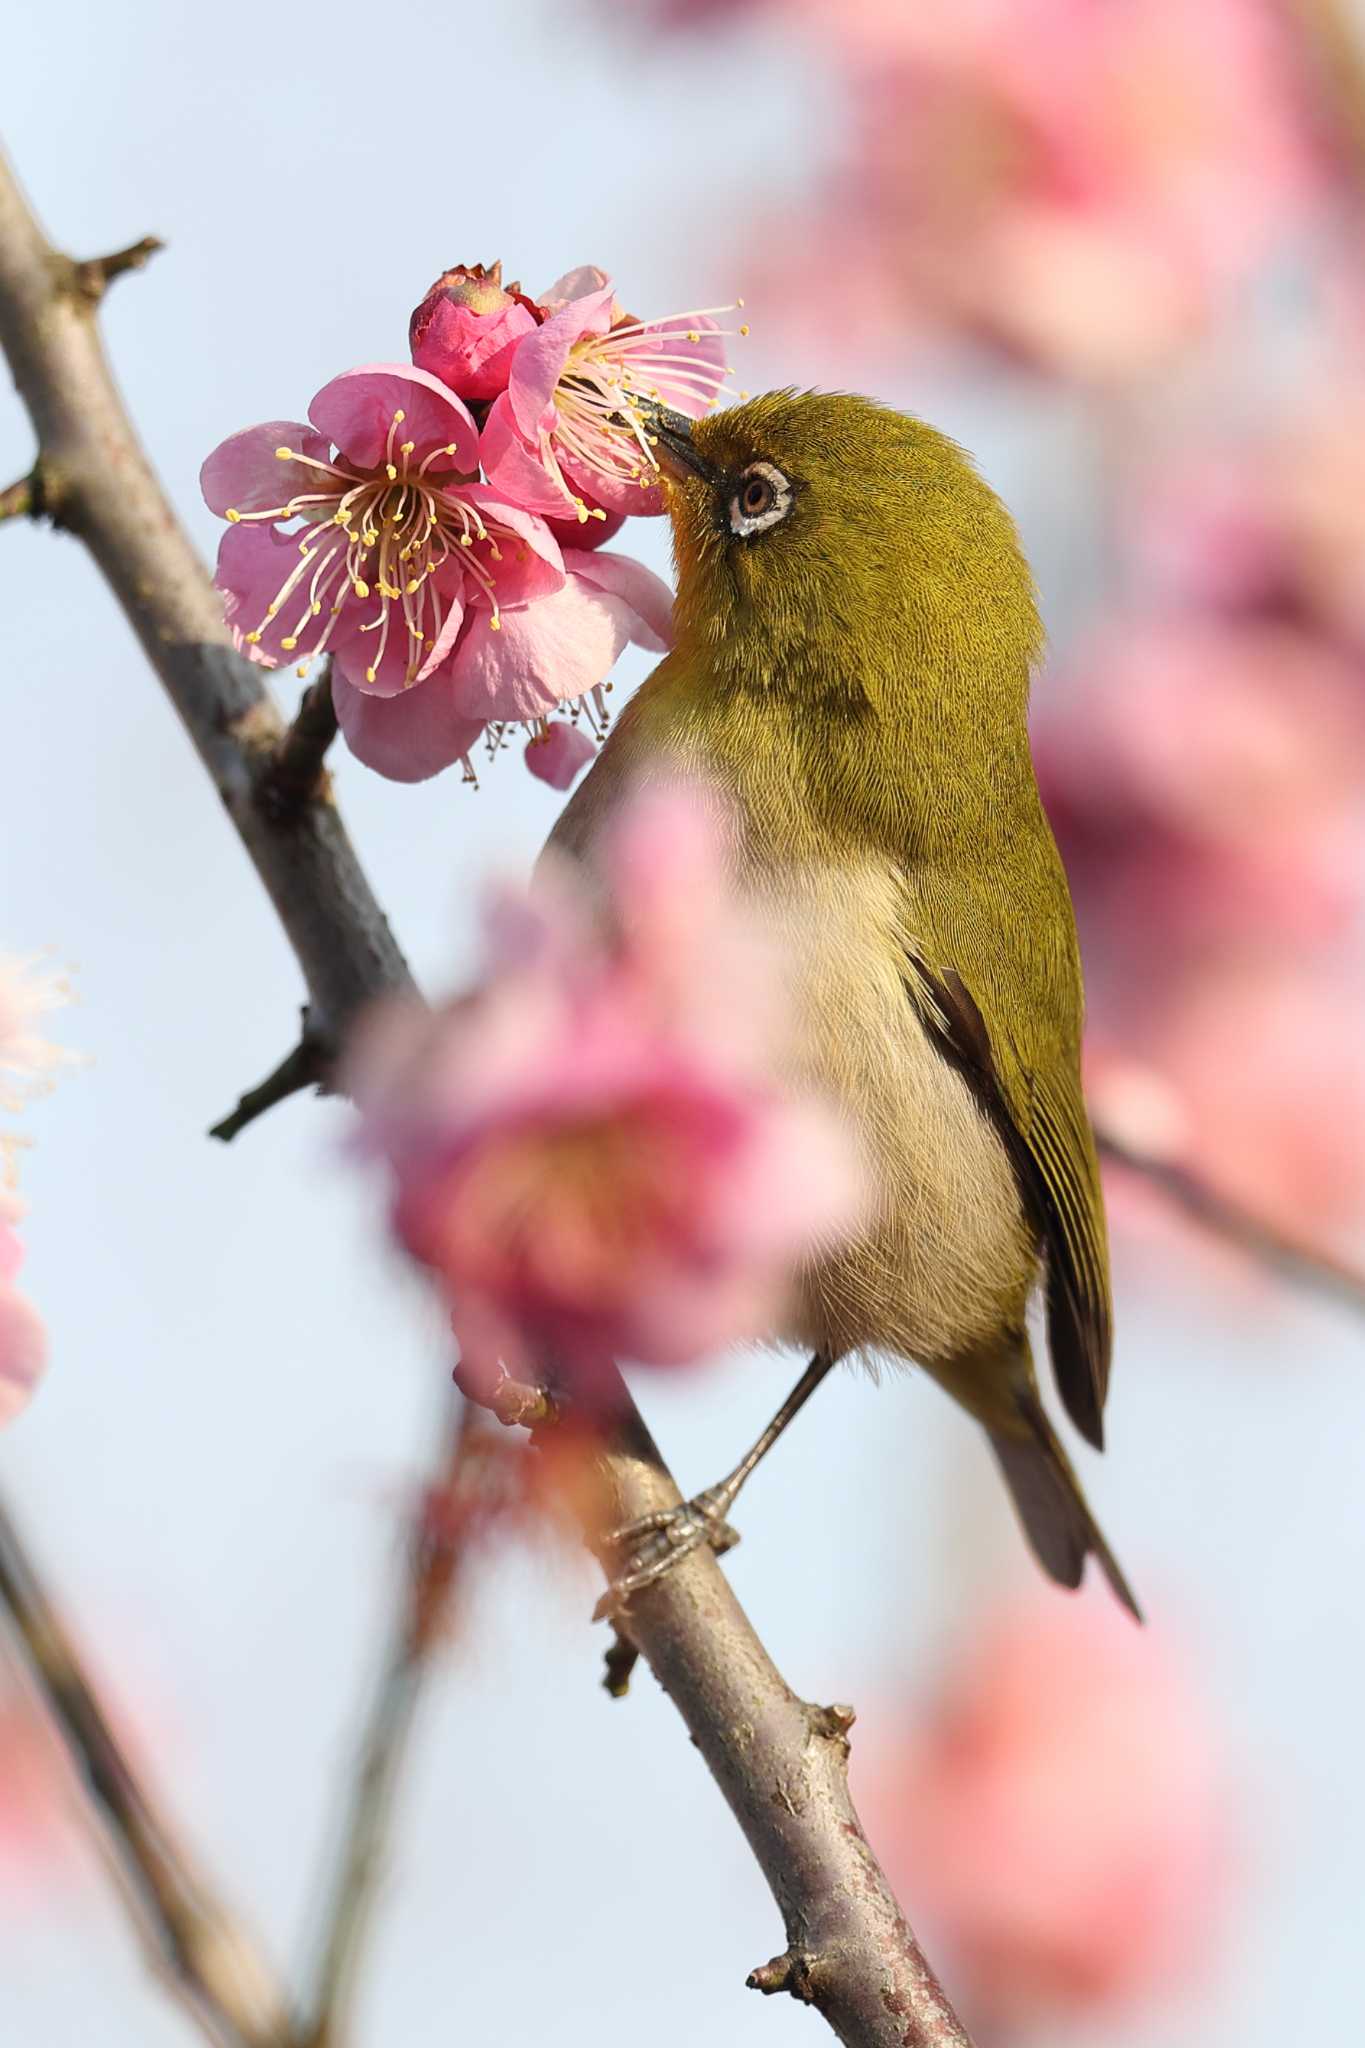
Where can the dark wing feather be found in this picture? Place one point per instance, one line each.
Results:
(1046, 1130)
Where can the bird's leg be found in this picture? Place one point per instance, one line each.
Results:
(655, 1543)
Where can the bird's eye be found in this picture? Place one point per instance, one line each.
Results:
(762, 499)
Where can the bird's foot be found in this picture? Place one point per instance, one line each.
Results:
(657, 1542)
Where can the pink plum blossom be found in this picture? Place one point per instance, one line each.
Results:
(567, 437)
(444, 605)
(23, 1338)
(1084, 185)
(466, 328)
(589, 1151)
(1060, 1817)
(28, 990)
(35, 1840)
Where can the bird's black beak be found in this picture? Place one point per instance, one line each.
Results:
(671, 444)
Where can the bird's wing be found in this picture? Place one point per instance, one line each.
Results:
(1037, 1105)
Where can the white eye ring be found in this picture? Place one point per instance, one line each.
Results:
(771, 505)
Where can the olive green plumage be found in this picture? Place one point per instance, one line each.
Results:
(852, 665)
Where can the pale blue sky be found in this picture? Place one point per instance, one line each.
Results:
(241, 1372)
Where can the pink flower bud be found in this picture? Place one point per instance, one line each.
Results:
(466, 327)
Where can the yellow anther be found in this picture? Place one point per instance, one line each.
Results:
(466, 540)
(251, 638)
(692, 334)
(301, 670)
(495, 624)
(744, 327)
(400, 416)
(233, 514)
(284, 455)
(369, 675)
(406, 447)
(414, 584)
(289, 643)
(450, 447)
(739, 302)
(369, 536)
(360, 589)
(271, 610)
(316, 610)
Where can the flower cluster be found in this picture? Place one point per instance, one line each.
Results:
(27, 1061)
(589, 1151)
(1060, 1813)
(434, 526)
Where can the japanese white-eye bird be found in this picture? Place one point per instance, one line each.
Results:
(856, 633)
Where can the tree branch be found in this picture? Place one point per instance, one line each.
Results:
(436, 1548)
(775, 1758)
(1305, 1264)
(98, 485)
(307, 1066)
(192, 1940)
(19, 500)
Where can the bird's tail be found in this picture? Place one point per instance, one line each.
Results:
(1049, 1501)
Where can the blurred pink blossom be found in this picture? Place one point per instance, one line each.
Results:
(1059, 1818)
(29, 990)
(589, 1152)
(554, 440)
(1203, 774)
(23, 1338)
(1082, 184)
(34, 1835)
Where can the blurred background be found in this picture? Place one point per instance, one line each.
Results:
(1114, 247)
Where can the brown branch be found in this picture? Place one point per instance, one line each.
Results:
(436, 1548)
(192, 1939)
(1305, 1264)
(296, 773)
(98, 485)
(94, 277)
(19, 500)
(775, 1758)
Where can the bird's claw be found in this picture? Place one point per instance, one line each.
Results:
(656, 1542)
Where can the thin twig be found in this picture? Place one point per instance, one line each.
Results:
(1305, 1264)
(192, 1939)
(307, 1066)
(773, 1757)
(295, 774)
(18, 500)
(435, 1550)
(97, 273)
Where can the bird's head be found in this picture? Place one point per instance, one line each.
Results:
(825, 542)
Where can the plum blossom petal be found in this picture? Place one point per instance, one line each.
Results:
(556, 755)
(409, 737)
(245, 474)
(576, 396)
(357, 410)
(644, 600)
(575, 284)
(547, 654)
(23, 1350)
(540, 360)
